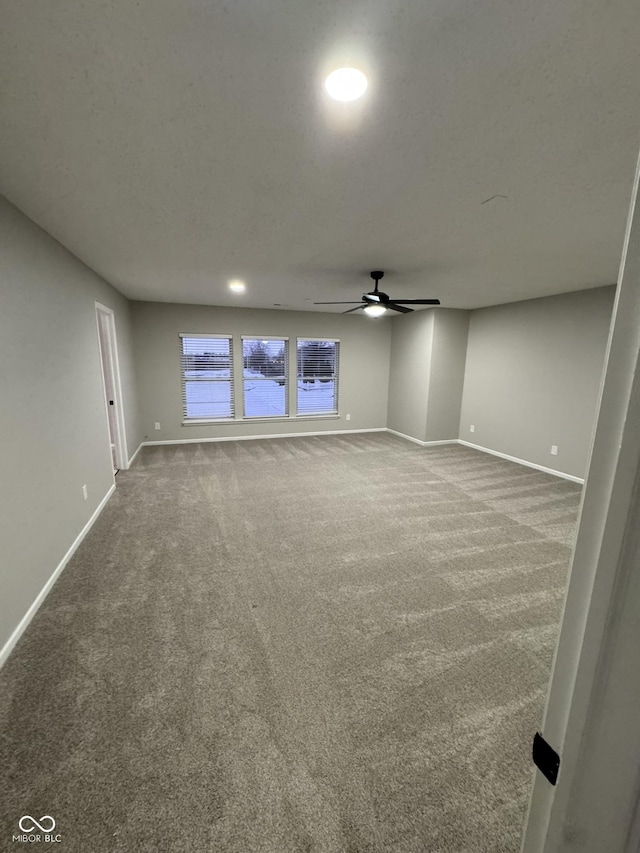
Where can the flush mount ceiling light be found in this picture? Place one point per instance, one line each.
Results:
(375, 310)
(346, 84)
(237, 286)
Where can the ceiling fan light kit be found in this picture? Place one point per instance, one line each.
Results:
(375, 310)
(375, 303)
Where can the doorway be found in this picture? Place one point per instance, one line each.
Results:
(591, 719)
(105, 319)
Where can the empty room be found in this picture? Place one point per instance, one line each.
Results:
(284, 568)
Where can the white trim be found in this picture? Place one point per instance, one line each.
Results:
(259, 418)
(212, 421)
(422, 443)
(135, 453)
(204, 335)
(264, 337)
(543, 468)
(319, 416)
(31, 612)
(331, 416)
(319, 340)
(256, 437)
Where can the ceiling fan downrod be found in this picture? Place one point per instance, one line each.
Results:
(376, 275)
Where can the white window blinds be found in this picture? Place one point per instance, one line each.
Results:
(317, 374)
(207, 377)
(265, 377)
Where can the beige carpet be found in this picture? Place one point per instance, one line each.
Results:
(313, 644)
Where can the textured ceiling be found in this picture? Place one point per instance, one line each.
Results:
(173, 144)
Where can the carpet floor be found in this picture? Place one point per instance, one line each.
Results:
(338, 644)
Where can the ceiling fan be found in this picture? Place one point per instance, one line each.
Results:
(375, 302)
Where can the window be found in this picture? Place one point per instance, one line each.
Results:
(317, 370)
(207, 377)
(265, 377)
(207, 373)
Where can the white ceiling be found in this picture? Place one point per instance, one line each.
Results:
(174, 144)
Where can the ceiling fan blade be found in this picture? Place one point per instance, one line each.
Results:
(418, 301)
(353, 302)
(399, 308)
(357, 308)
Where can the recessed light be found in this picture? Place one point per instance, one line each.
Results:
(346, 84)
(237, 286)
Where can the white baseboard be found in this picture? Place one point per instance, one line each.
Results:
(135, 453)
(31, 612)
(515, 459)
(546, 470)
(256, 437)
(422, 443)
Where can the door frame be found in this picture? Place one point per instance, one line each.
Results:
(111, 358)
(592, 717)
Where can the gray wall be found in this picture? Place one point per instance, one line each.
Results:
(426, 376)
(448, 357)
(53, 425)
(364, 366)
(532, 378)
(410, 372)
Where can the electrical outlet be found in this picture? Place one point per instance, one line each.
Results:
(348, 417)
(156, 425)
(85, 493)
(472, 428)
(554, 449)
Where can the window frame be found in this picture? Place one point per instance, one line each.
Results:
(335, 376)
(285, 341)
(190, 420)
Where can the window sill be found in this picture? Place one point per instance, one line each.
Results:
(278, 419)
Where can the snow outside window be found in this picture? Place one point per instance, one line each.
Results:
(265, 377)
(317, 376)
(207, 377)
